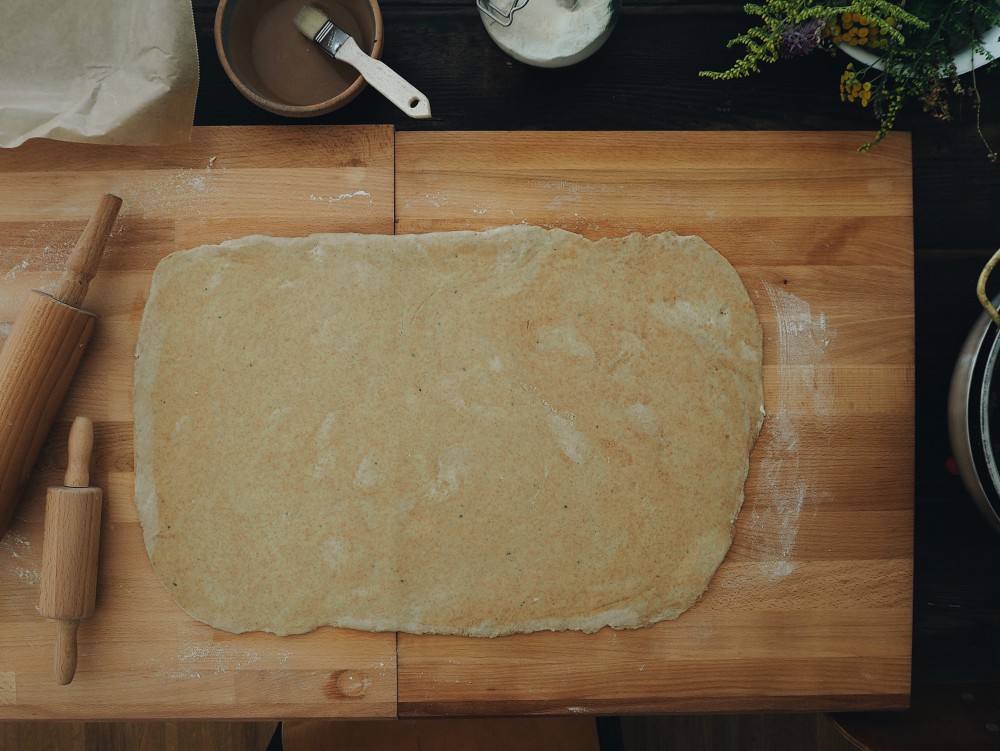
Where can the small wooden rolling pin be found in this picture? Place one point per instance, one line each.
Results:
(69, 552)
(40, 357)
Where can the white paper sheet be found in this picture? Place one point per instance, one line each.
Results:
(97, 71)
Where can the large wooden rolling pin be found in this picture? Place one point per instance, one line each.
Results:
(69, 552)
(41, 355)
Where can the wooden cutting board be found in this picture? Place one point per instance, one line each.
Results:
(811, 609)
(140, 655)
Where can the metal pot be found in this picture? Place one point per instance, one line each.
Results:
(974, 416)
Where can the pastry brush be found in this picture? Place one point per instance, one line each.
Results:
(314, 24)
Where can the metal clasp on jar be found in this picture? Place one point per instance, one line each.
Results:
(502, 13)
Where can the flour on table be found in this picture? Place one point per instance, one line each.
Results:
(22, 558)
(802, 341)
(342, 197)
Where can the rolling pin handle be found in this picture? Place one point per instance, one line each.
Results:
(64, 666)
(81, 443)
(81, 266)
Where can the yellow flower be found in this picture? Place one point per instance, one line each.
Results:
(853, 89)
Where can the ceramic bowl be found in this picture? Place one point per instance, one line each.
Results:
(277, 68)
(965, 61)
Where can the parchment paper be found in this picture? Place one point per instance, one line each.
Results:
(97, 71)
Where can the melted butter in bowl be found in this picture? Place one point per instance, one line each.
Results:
(277, 68)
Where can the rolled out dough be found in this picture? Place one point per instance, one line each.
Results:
(463, 433)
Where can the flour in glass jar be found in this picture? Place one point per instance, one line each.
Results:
(554, 33)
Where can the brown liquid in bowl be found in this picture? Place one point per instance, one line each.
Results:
(279, 63)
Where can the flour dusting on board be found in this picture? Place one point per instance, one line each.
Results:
(342, 197)
(802, 345)
(197, 659)
(173, 190)
(222, 658)
(15, 270)
(46, 247)
(20, 559)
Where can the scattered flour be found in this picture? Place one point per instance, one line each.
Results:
(12, 274)
(171, 191)
(17, 549)
(223, 659)
(13, 540)
(802, 344)
(198, 659)
(31, 576)
(342, 197)
(436, 199)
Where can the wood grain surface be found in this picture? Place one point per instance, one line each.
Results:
(140, 655)
(646, 78)
(812, 608)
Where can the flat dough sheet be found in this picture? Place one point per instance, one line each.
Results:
(462, 433)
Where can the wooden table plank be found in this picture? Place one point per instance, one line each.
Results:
(140, 655)
(812, 609)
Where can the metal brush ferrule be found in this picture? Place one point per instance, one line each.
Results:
(331, 38)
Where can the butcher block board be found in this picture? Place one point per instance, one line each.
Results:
(811, 609)
(140, 655)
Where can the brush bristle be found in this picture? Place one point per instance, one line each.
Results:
(310, 20)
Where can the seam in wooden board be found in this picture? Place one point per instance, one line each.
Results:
(395, 220)
(395, 224)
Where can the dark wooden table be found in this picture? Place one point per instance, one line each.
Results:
(646, 78)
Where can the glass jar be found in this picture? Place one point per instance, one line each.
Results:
(549, 33)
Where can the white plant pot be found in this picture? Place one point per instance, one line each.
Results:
(965, 61)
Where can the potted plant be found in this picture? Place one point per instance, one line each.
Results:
(901, 51)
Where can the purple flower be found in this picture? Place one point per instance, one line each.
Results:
(801, 39)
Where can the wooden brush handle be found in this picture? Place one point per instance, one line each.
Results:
(385, 80)
(83, 260)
